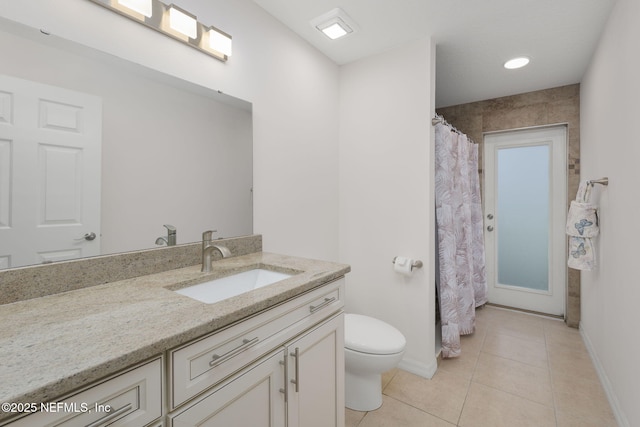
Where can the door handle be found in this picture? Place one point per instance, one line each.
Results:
(88, 236)
(490, 228)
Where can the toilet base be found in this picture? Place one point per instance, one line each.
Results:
(363, 392)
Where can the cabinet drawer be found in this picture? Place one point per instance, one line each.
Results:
(203, 363)
(133, 398)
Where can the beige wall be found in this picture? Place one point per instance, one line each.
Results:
(545, 107)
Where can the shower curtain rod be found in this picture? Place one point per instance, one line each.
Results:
(438, 119)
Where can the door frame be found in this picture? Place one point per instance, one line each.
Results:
(558, 200)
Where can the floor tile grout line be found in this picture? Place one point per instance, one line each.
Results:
(547, 365)
(516, 360)
(473, 373)
(414, 407)
(515, 395)
(553, 393)
(511, 393)
(466, 395)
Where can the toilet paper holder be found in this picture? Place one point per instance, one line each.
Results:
(415, 264)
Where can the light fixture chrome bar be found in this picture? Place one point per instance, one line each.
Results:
(159, 21)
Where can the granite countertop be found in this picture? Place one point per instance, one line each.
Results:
(52, 345)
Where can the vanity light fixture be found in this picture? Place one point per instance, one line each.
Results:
(183, 22)
(334, 24)
(220, 41)
(143, 7)
(174, 22)
(515, 63)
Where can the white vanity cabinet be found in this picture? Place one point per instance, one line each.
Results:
(132, 398)
(283, 366)
(286, 365)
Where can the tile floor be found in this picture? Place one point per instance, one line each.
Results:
(515, 370)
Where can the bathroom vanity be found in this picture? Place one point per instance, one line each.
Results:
(134, 352)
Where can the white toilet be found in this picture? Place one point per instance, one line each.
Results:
(371, 347)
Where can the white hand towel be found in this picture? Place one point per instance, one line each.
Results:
(582, 226)
(582, 219)
(582, 255)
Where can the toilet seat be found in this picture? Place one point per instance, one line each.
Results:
(372, 336)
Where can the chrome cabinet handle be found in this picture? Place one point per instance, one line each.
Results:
(490, 228)
(285, 389)
(216, 359)
(326, 302)
(296, 354)
(111, 415)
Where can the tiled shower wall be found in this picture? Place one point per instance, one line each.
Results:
(546, 107)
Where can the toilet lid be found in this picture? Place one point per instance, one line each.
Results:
(368, 335)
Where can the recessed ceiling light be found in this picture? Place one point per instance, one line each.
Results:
(514, 63)
(336, 30)
(334, 24)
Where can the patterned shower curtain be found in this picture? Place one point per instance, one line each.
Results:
(462, 284)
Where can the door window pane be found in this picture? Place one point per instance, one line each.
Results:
(523, 217)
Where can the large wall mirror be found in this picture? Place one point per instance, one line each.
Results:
(170, 153)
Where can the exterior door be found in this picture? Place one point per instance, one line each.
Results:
(50, 158)
(525, 214)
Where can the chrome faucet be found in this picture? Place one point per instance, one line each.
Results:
(208, 247)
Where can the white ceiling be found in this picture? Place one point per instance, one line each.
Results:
(473, 38)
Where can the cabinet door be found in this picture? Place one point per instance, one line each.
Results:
(316, 376)
(251, 398)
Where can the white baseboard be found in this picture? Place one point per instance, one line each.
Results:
(418, 368)
(604, 380)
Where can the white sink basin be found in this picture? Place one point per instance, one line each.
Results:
(226, 287)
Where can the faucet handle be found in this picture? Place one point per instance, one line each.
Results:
(170, 229)
(207, 234)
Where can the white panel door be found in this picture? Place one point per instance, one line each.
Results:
(525, 214)
(50, 166)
